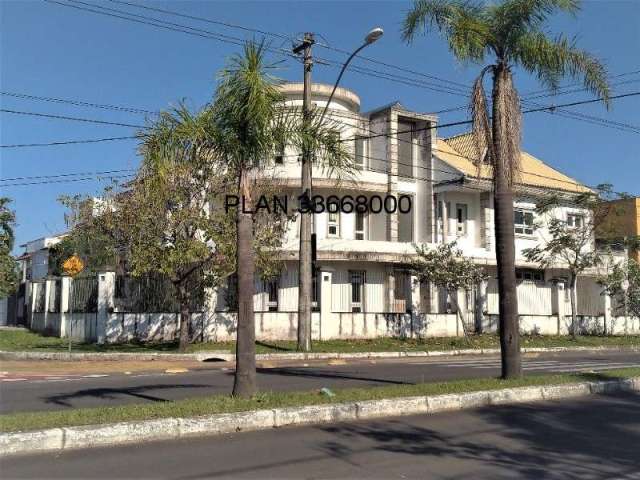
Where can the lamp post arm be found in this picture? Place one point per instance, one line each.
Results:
(335, 86)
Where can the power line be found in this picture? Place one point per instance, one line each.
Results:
(70, 180)
(238, 41)
(557, 93)
(154, 22)
(68, 142)
(202, 19)
(446, 82)
(467, 122)
(102, 122)
(75, 119)
(282, 36)
(79, 103)
(213, 35)
(38, 177)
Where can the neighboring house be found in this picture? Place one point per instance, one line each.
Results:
(34, 262)
(624, 221)
(33, 268)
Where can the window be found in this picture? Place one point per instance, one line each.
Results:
(272, 294)
(575, 220)
(360, 152)
(231, 293)
(357, 290)
(360, 233)
(279, 157)
(523, 222)
(529, 275)
(333, 224)
(405, 149)
(461, 217)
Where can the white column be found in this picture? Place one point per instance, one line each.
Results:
(434, 294)
(29, 297)
(606, 298)
(326, 315)
(416, 307)
(47, 293)
(445, 222)
(481, 304)
(561, 305)
(65, 315)
(106, 290)
(415, 294)
(391, 294)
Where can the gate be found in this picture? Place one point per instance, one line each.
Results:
(468, 310)
(83, 309)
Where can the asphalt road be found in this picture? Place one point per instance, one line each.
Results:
(114, 389)
(591, 438)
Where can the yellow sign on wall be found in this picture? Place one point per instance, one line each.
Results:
(73, 265)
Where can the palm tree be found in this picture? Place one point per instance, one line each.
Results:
(511, 33)
(249, 124)
(244, 113)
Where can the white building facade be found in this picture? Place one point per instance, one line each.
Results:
(362, 285)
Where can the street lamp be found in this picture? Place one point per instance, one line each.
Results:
(371, 37)
(307, 239)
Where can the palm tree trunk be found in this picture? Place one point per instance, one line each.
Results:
(505, 237)
(573, 293)
(245, 377)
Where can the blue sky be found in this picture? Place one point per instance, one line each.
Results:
(54, 51)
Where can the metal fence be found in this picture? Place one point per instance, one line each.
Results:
(84, 295)
(39, 291)
(151, 294)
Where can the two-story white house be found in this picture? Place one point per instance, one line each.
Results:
(363, 287)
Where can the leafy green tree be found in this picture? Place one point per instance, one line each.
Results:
(446, 267)
(8, 265)
(622, 282)
(163, 221)
(571, 239)
(512, 32)
(90, 236)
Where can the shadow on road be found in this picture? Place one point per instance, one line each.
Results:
(140, 392)
(597, 439)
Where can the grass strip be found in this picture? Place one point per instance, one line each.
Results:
(193, 407)
(24, 340)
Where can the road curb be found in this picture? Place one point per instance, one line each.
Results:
(69, 438)
(230, 357)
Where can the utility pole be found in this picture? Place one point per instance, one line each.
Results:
(305, 261)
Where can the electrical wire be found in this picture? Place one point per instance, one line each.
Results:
(68, 142)
(75, 119)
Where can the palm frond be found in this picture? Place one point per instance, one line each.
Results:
(528, 14)
(550, 60)
(507, 119)
(461, 22)
(247, 101)
(481, 127)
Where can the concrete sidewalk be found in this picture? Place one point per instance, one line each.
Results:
(226, 356)
(80, 437)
